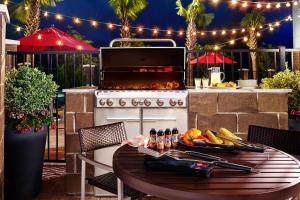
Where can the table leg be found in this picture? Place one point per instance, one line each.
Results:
(120, 189)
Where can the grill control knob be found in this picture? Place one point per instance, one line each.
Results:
(102, 102)
(109, 102)
(180, 102)
(172, 102)
(122, 102)
(147, 102)
(134, 102)
(159, 102)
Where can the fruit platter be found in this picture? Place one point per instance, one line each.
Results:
(223, 140)
(225, 85)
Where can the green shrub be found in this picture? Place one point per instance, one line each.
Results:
(288, 80)
(28, 92)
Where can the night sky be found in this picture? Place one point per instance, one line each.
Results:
(160, 13)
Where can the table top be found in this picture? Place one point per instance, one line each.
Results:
(278, 177)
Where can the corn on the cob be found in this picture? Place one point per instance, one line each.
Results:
(229, 134)
(213, 138)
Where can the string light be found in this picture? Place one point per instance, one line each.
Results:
(258, 34)
(39, 37)
(58, 17)
(245, 39)
(216, 47)
(243, 30)
(233, 31)
(259, 5)
(94, 23)
(223, 32)
(253, 28)
(79, 47)
(6, 2)
(110, 26)
(232, 42)
(295, 3)
(180, 33)
(245, 5)
(126, 28)
(140, 29)
(234, 2)
(18, 28)
(76, 20)
(214, 33)
(155, 31)
(46, 14)
(288, 4)
(277, 24)
(278, 5)
(26, 8)
(169, 32)
(268, 6)
(271, 29)
(215, 1)
(59, 42)
(202, 33)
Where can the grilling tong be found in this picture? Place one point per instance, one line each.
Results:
(209, 159)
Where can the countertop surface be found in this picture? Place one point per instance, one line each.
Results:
(224, 90)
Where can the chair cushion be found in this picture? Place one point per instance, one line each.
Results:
(108, 182)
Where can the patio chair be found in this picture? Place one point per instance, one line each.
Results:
(287, 141)
(99, 137)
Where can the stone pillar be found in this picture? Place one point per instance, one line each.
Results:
(4, 18)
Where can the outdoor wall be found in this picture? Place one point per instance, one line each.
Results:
(4, 18)
(296, 26)
(79, 113)
(237, 109)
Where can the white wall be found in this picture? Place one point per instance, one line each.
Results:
(296, 26)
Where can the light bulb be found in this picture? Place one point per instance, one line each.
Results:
(202, 33)
(295, 3)
(288, 4)
(110, 25)
(59, 42)
(233, 31)
(214, 33)
(268, 6)
(79, 47)
(140, 29)
(258, 34)
(223, 32)
(18, 29)
(245, 5)
(277, 24)
(180, 33)
(39, 37)
(169, 32)
(278, 5)
(58, 16)
(271, 29)
(216, 47)
(233, 2)
(253, 28)
(231, 42)
(155, 31)
(94, 23)
(243, 30)
(259, 5)
(46, 14)
(245, 39)
(76, 20)
(215, 1)
(126, 28)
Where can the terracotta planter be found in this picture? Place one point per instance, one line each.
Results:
(23, 163)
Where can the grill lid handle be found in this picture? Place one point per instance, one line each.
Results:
(111, 44)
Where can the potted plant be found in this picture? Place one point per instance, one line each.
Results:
(290, 80)
(28, 93)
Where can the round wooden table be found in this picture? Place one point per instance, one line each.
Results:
(278, 177)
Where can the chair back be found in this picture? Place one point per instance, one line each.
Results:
(287, 141)
(101, 136)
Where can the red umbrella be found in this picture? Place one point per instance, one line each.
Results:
(52, 39)
(210, 57)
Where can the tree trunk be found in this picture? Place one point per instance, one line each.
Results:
(33, 23)
(252, 44)
(125, 31)
(191, 40)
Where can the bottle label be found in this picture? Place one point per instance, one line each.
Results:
(153, 139)
(160, 139)
(174, 138)
(168, 139)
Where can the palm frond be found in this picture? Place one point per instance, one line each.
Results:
(205, 19)
(19, 12)
(127, 8)
(181, 10)
(50, 3)
(253, 19)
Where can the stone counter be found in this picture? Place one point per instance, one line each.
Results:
(236, 109)
(208, 109)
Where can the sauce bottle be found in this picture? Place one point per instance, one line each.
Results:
(175, 137)
(168, 138)
(160, 139)
(152, 142)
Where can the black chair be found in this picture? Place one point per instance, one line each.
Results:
(99, 137)
(287, 141)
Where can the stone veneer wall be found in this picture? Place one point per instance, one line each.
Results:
(79, 113)
(296, 61)
(236, 111)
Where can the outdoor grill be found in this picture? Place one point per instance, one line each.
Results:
(143, 87)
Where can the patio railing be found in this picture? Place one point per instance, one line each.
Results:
(75, 69)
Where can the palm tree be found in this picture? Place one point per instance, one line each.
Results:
(252, 22)
(194, 15)
(29, 11)
(125, 10)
